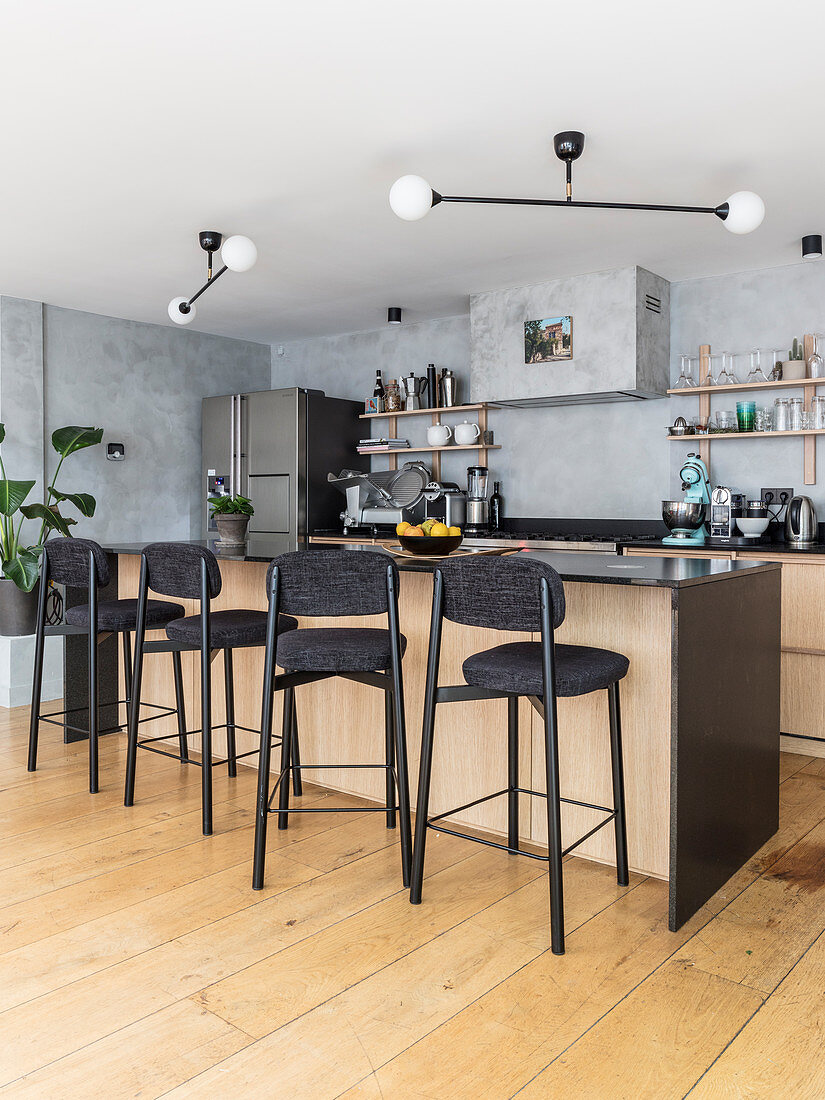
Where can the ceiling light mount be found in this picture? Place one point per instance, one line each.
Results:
(411, 197)
(812, 246)
(238, 254)
(394, 315)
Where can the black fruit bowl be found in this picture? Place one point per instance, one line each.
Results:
(440, 545)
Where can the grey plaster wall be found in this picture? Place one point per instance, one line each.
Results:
(764, 309)
(21, 389)
(143, 384)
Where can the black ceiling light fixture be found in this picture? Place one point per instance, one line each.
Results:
(812, 246)
(411, 197)
(238, 254)
(394, 315)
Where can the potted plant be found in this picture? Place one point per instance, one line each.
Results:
(20, 560)
(232, 518)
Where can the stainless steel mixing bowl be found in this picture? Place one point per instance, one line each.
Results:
(680, 515)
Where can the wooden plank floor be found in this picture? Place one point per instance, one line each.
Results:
(136, 961)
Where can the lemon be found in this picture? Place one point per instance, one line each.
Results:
(454, 531)
(439, 530)
(413, 531)
(402, 528)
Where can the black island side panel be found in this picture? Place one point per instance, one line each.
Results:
(725, 733)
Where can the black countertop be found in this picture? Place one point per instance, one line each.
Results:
(760, 548)
(586, 567)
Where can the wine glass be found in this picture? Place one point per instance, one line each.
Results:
(756, 373)
(816, 365)
(685, 380)
(725, 376)
(710, 378)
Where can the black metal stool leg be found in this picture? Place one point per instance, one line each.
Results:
(512, 772)
(180, 707)
(622, 876)
(286, 742)
(206, 738)
(229, 695)
(551, 757)
(425, 763)
(134, 708)
(297, 782)
(94, 709)
(389, 738)
(126, 644)
(265, 754)
(37, 681)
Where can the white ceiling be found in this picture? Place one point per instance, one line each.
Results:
(126, 128)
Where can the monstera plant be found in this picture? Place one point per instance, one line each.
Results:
(20, 561)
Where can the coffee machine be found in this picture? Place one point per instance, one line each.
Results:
(445, 501)
(478, 506)
(726, 506)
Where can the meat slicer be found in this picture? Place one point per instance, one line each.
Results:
(380, 497)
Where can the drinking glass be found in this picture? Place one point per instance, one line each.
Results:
(756, 373)
(744, 415)
(685, 380)
(818, 411)
(762, 420)
(726, 421)
(816, 364)
(781, 415)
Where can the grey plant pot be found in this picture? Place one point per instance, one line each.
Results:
(18, 609)
(232, 529)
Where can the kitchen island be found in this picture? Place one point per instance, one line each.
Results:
(700, 708)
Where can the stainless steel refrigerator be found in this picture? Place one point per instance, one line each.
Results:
(277, 447)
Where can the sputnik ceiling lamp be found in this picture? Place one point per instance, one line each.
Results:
(411, 197)
(238, 254)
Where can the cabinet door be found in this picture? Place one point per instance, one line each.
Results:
(803, 607)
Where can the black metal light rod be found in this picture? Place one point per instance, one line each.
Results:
(719, 211)
(186, 305)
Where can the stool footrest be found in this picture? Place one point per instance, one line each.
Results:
(302, 767)
(432, 822)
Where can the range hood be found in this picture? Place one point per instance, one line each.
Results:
(620, 338)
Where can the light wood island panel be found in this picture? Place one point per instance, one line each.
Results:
(343, 721)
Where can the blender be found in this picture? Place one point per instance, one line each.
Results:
(478, 506)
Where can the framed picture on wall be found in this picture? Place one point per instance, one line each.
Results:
(549, 340)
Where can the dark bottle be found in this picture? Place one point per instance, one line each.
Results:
(378, 392)
(496, 507)
(432, 386)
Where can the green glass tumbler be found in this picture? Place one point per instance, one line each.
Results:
(745, 411)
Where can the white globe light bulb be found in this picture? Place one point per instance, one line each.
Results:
(411, 197)
(239, 253)
(176, 315)
(745, 212)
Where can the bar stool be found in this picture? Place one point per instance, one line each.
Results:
(334, 583)
(81, 563)
(191, 572)
(519, 593)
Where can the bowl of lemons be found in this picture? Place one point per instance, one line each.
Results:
(431, 537)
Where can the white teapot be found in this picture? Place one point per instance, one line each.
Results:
(466, 433)
(439, 435)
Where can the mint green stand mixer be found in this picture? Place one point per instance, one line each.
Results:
(686, 518)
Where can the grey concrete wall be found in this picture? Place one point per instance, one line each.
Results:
(764, 309)
(143, 384)
(21, 390)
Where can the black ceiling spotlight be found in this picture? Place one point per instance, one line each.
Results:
(238, 254)
(812, 246)
(394, 315)
(411, 197)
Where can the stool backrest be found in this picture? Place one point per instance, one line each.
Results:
(503, 593)
(68, 562)
(332, 582)
(174, 569)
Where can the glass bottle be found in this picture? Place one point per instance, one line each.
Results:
(378, 392)
(496, 507)
(392, 396)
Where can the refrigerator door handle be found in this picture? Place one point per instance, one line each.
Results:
(238, 443)
(232, 445)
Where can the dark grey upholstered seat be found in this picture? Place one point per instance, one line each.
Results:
(237, 627)
(516, 667)
(337, 649)
(119, 615)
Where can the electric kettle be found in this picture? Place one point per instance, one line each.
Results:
(800, 523)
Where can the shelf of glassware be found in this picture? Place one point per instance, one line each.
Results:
(746, 387)
(708, 436)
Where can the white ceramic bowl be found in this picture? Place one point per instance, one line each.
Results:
(753, 526)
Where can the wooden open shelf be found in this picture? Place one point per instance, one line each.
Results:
(748, 387)
(448, 447)
(427, 412)
(705, 393)
(745, 435)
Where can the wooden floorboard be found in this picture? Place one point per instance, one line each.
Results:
(135, 959)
